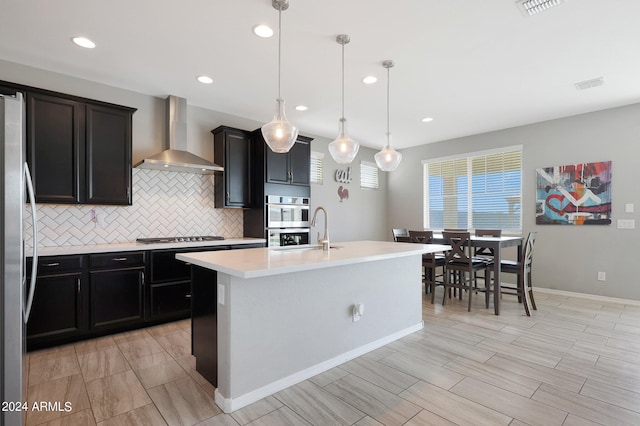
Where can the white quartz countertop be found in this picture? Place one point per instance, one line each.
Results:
(260, 262)
(133, 246)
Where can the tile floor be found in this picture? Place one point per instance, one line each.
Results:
(574, 362)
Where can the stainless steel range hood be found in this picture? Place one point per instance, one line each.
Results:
(175, 157)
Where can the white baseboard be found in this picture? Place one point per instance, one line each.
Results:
(232, 404)
(587, 296)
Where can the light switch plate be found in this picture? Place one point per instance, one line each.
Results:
(220, 294)
(626, 224)
(628, 208)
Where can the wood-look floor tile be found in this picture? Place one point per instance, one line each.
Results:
(553, 331)
(495, 375)
(574, 352)
(69, 389)
(281, 417)
(256, 410)
(129, 336)
(561, 379)
(317, 406)
(599, 372)
(81, 418)
(508, 403)
(143, 416)
(380, 374)
(183, 402)
(329, 376)
(616, 367)
(452, 407)
(586, 407)
(379, 353)
(573, 420)
(93, 345)
(116, 394)
(162, 329)
(612, 395)
(368, 421)
(435, 374)
(427, 418)
(52, 365)
(462, 335)
(219, 420)
(101, 363)
(608, 351)
(476, 352)
(530, 355)
(372, 400)
(157, 369)
(624, 345)
(177, 344)
(422, 351)
(138, 348)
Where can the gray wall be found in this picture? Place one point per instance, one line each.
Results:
(361, 217)
(566, 257)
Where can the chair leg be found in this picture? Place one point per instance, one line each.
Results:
(470, 292)
(530, 289)
(487, 285)
(446, 287)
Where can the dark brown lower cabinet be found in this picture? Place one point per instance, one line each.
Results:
(204, 322)
(117, 298)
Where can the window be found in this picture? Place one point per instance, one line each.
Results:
(479, 190)
(316, 172)
(368, 175)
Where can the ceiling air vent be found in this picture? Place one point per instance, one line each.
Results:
(588, 84)
(531, 7)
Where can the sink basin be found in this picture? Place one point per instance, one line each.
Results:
(303, 247)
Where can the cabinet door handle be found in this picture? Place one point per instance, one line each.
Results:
(53, 264)
(290, 176)
(187, 296)
(78, 285)
(142, 272)
(228, 196)
(120, 259)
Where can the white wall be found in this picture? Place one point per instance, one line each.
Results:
(362, 216)
(566, 257)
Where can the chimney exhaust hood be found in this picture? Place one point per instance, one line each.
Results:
(175, 157)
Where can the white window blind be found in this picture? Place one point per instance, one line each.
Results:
(368, 175)
(481, 190)
(317, 164)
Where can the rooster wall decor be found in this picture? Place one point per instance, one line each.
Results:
(343, 193)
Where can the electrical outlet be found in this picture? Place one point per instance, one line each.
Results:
(602, 276)
(220, 294)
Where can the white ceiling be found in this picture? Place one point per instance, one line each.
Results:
(472, 65)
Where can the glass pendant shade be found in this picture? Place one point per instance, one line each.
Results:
(343, 149)
(388, 159)
(279, 134)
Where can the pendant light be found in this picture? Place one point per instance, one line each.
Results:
(279, 134)
(388, 159)
(343, 149)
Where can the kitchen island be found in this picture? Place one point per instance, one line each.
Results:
(273, 317)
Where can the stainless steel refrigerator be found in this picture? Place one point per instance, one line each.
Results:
(16, 294)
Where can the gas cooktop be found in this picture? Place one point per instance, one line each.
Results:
(179, 239)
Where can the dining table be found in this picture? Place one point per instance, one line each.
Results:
(496, 244)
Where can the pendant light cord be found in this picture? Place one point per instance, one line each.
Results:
(343, 80)
(279, 47)
(388, 84)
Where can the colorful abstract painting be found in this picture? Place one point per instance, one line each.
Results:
(578, 194)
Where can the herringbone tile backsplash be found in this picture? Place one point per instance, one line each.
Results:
(164, 204)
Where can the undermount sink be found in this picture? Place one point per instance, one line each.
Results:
(303, 247)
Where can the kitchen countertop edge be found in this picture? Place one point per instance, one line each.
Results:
(134, 246)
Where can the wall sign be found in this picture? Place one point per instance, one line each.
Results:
(343, 176)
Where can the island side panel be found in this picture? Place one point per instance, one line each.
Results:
(290, 325)
(204, 322)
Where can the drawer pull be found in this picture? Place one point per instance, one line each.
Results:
(78, 285)
(187, 296)
(52, 264)
(120, 259)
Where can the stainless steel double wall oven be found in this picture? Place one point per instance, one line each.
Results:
(287, 220)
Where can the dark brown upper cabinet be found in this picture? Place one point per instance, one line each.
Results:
(79, 150)
(232, 149)
(291, 168)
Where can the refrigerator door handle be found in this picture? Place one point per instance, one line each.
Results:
(34, 264)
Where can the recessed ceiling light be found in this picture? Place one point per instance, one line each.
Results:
(369, 79)
(205, 79)
(302, 108)
(427, 120)
(588, 84)
(83, 42)
(263, 31)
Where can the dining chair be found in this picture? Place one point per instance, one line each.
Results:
(430, 263)
(485, 252)
(399, 232)
(522, 268)
(403, 239)
(460, 266)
